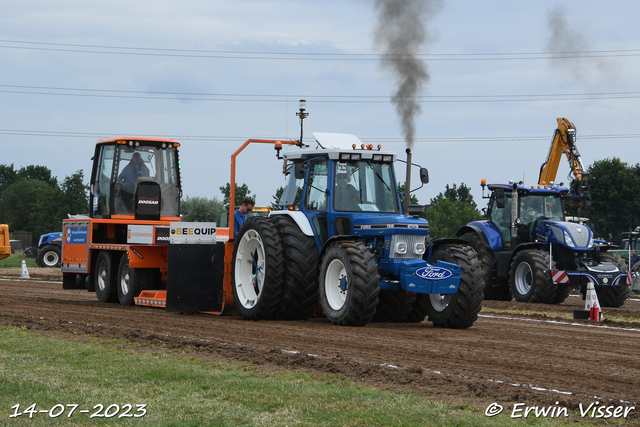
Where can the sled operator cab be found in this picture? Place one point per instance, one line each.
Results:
(121, 247)
(135, 177)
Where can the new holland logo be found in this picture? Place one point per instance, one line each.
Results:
(433, 273)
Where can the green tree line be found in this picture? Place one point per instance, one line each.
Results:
(32, 200)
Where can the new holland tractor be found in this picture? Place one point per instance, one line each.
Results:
(342, 238)
(528, 250)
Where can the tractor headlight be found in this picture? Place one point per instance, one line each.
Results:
(419, 248)
(401, 248)
(567, 239)
(590, 244)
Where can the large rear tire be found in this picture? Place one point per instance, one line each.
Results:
(487, 259)
(613, 296)
(461, 309)
(300, 292)
(530, 280)
(49, 256)
(105, 278)
(349, 284)
(257, 269)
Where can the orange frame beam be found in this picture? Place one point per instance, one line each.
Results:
(226, 287)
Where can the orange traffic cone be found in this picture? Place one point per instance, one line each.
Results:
(592, 304)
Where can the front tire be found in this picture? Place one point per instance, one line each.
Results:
(104, 278)
(461, 309)
(349, 284)
(530, 281)
(487, 259)
(49, 256)
(257, 270)
(613, 296)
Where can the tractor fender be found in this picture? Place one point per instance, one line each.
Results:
(333, 240)
(488, 232)
(300, 218)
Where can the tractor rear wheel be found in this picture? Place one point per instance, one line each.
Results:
(349, 284)
(300, 292)
(394, 306)
(487, 259)
(613, 296)
(257, 269)
(530, 280)
(104, 278)
(461, 309)
(49, 256)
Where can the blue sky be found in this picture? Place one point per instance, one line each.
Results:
(212, 74)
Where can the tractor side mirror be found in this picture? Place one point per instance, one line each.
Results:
(424, 175)
(299, 170)
(500, 198)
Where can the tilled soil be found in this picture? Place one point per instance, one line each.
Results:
(514, 353)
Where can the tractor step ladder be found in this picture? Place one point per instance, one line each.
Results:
(152, 299)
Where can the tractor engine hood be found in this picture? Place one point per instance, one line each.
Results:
(385, 224)
(571, 235)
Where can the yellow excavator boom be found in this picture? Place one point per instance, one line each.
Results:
(564, 141)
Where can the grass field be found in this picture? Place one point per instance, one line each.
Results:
(181, 391)
(15, 260)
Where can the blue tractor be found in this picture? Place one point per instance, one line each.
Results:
(49, 250)
(529, 252)
(342, 239)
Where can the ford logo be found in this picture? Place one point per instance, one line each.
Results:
(433, 273)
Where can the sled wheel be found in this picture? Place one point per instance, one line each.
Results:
(104, 278)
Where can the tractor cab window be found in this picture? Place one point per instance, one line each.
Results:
(146, 164)
(317, 183)
(501, 218)
(364, 186)
(292, 193)
(533, 207)
(102, 190)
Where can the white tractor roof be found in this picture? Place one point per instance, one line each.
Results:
(336, 141)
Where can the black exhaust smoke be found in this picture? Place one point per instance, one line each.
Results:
(400, 34)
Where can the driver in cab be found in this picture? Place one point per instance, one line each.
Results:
(346, 195)
(127, 178)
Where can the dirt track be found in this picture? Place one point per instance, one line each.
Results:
(503, 358)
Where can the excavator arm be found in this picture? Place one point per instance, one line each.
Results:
(564, 141)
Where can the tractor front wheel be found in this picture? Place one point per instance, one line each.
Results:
(349, 284)
(49, 256)
(257, 270)
(461, 309)
(530, 279)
